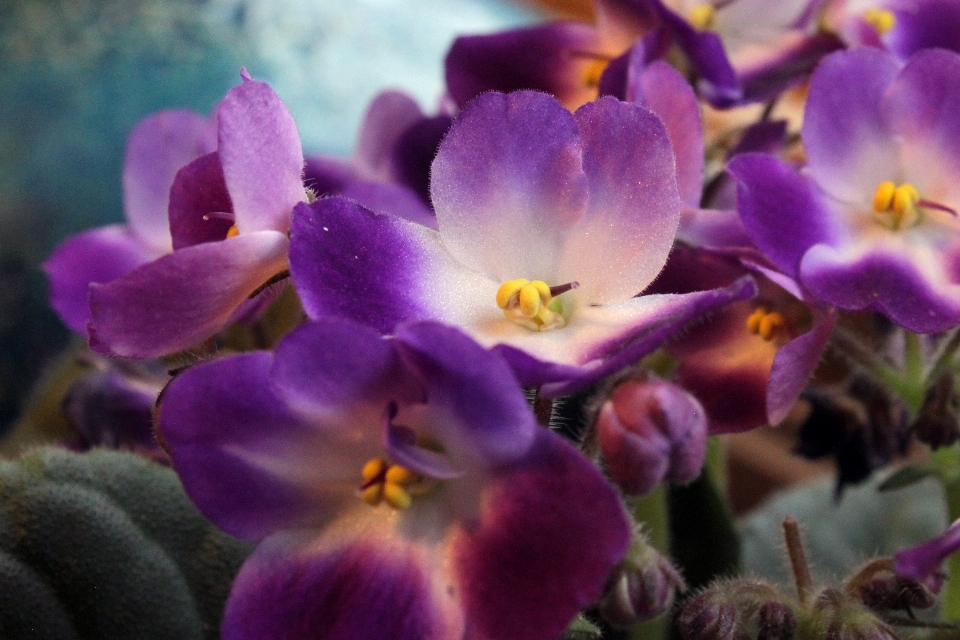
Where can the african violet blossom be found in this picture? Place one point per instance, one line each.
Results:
(157, 147)
(922, 562)
(549, 224)
(400, 489)
(900, 26)
(229, 216)
(871, 224)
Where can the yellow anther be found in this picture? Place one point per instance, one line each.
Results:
(899, 202)
(372, 495)
(771, 324)
(400, 475)
(883, 197)
(529, 301)
(753, 322)
(905, 199)
(233, 231)
(396, 496)
(882, 20)
(594, 71)
(702, 17)
(509, 289)
(373, 468)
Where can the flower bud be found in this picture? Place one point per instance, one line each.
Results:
(886, 590)
(709, 616)
(642, 587)
(649, 430)
(845, 618)
(776, 621)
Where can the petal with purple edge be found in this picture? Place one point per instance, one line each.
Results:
(793, 367)
(508, 185)
(339, 588)
(158, 146)
(388, 116)
(198, 195)
(925, 24)
(261, 155)
(182, 298)
(98, 255)
(922, 561)
(549, 532)
(631, 220)
(402, 447)
(395, 199)
(849, 147)
(492, 423)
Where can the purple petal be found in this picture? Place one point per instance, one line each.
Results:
(623, 240)
(328, 176)
(549, 532)
(402, 447)
(491, 424)
(782, 211)
(184, 297)
(262, 160)
(848, 145)
(922, 561)
(198, 191)
(928, 24)
(397, 200)
(294, 588)
(793, 367)
(158, 146)
(98, 255)
(784, 63)
(389, 115)
(508, 184)
(414, 153)
(553, 58)
(716, 78)
(226, 429)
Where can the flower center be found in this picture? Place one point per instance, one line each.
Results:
(769, 325)
(896, 206)
(390, 483)
(533, 305)
(882, 20)
(702, 17)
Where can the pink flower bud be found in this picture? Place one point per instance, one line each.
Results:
(641, 588)
(649, 430)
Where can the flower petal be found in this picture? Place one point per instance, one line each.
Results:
(623, 240)
(156, 149)
(261, 155)
(397, 200)
(925, 24)
(793, 367)
(183, 297)
(199, 190)
(390, 114)
(98, 255)
(508, 185)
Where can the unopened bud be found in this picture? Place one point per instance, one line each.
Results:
(845, 618)
(938, 423)
(649, 430)
(642, 587)
(709, 616)
(883, 589)
(776, 621)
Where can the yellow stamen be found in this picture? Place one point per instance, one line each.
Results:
(396, 496)
(905, 199)
(400, 476)
(753, 322)
(373, 494)
(883, 197)
(702, 17)
(882, 20)
(530, 301)
(233, 231)
(509, 289)
(373, 468)
(767, 324)
(593, 71)
(899, 202)
(532, 304)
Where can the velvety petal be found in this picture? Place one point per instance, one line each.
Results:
(508, 184)
(717, 80)
(345, 588)
(922, 562)
(928, 24)
(623, 240)
(414, 153)
(490, 423)
(555, 58)
(198, 194)
(156, 149)
(251, 464)
(908, 284)
(793, 367)
(849, 147)
(183, 297)
(397, 200)
(402, 448)
(98, 255)
(389, 115)
(262, 160)
(549, 533)
(923, 105)
(328, 176)
(781, 210)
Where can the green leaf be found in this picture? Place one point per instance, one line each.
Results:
(906, 476)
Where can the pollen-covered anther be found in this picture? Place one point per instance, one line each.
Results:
(233, 231)
(532, 304)
(898, 205)
(390, 483)
(882, 20)
(702, 17)
(594, 71)
(769, 325)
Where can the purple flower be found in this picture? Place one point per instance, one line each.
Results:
(922, 562)
(229, 218)
(900, 26)
(157, 147)
(871, 224)
(549, 224)
(400, 489)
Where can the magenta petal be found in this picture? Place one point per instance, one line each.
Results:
(198, 191)
(261, 155)
(793, 366)
(98, 255)
(508, 184)
(182, 298)
(389, 115)
(550, 531)
(293, 588)
(922, 561)
(156, 149)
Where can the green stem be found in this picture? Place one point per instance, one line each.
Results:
(651, 511)
(948, 461)
(913, 380)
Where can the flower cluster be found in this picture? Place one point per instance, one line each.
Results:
(570, 221)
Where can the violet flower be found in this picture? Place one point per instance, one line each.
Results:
(400, 489)
(872, 222)
(900, 26)
(229, 217)
(922, 562)
(549, 224)
(157, 147)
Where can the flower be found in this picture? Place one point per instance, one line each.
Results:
(922, 562)
(157, 147)
(549, 224)
(400, 489)
(229, 217)
(871, 224)
(900, 26)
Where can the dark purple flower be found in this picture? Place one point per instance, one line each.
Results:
(900, 26)
(229, 214)
(550, 224)
(871, 224)
(922, 562)
(400, 489)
